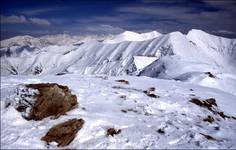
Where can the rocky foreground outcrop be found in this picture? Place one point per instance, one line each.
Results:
(38, 101)
(64, 133)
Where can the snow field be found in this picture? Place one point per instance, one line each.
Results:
(105, 103)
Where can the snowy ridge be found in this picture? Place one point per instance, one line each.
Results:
(22, 44)
(132, 36)
(47, 40)
(25, 40)
(219, 48)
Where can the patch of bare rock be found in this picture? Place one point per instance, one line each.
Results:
(212, 106)
(123, 81)
(151, 93)
(38, 101)
(113, 131)
(64, 133)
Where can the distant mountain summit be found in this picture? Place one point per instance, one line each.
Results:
(132, 36)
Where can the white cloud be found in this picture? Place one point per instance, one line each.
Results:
(44, 10)
(13, 19)
(104, 28)
(36, 11)
(224, 32)
(38, 21)
(179, 13)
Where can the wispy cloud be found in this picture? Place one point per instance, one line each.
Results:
(173, 12)
(225, 5)
(104, 28)
(39, 11)
(182, 14)
(224, 32)
(41, 22)
(13, 19)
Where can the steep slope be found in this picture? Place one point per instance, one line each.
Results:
(194, 60)
(187, 56)
(221, 49)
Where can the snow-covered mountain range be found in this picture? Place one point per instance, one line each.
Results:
(174, 55)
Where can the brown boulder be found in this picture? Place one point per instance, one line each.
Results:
(123, 81)
(64, 133)
(113, 131)
(209, 119)
(161, 131)
(150, 92)
(208, 103)
(210, 74)
(211, 105)
(51, 99)
(208, 137)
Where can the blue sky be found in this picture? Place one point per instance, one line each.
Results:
(40, 17)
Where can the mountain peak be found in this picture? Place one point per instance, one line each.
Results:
(133, 36)
(128, 33)
(201, 33)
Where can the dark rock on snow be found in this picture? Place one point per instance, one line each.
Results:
(211, 105)
(123, 81)
(64, 133)
(209, 119)
(150, 92)
(51, 99)
(113, 131)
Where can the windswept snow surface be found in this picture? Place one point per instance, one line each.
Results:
(101, 101)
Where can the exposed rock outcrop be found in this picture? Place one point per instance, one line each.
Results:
(151, 93)
(212, 106)
(38, 101)
(113, 131)
(123, 81)
(64, 133)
